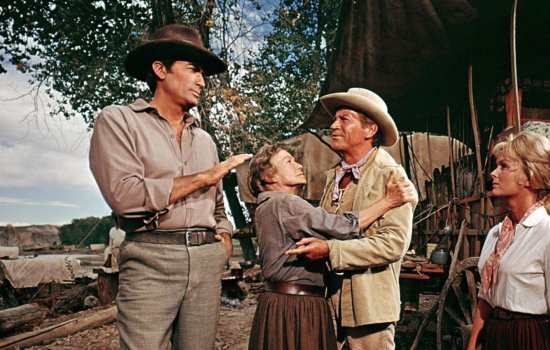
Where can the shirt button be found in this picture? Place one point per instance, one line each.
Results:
(172, 136)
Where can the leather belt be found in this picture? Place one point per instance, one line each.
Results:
(189, 237)
(295, 289)
(503, 314)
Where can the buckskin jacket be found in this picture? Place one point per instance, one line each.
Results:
(364, 272)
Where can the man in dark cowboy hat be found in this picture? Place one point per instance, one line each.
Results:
(160, 174)
(363, 284)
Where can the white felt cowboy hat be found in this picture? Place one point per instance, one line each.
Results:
(368, 103)
(173, 42)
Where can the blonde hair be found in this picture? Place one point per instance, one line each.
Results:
(532, 151)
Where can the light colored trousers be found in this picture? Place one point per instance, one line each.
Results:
(169, 295)
(369, 337)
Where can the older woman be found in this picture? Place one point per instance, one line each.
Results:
(293, 314)
(513, 311)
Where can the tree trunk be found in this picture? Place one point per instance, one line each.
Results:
(163, 14)
(20, 316)
(74, 299)
(59, 330)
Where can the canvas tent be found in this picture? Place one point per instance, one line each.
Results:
(436, 61)
(29, 236)
(425, 152)
(416, 55)
(32, 271)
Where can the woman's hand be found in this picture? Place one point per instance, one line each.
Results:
(398, 193)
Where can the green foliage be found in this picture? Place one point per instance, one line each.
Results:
(278, 55)
(74, 48)
(91, 229)
(284, 77)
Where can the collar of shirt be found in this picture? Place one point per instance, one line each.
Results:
(535, 218)
(264, 196)
(140, 105)
(345, 167)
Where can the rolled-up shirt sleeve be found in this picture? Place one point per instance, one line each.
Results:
(135, 157)
(119, 171)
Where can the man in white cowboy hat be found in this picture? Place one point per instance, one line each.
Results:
(363, 282)
(159, 173)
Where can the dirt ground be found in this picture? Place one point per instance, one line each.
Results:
(235, 322)
(237, 311)
(233, 329)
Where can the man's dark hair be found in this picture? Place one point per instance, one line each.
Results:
(152, 78)
(260, 166)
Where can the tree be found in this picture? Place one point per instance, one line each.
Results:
(74, 49)
(278, 56)
(282, 80)
(86, 231)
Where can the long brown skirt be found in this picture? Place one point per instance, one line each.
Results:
(517, 334)
(292, 322)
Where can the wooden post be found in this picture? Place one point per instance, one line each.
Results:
(451, 154)
(513, 61)
(477, 142)
(107, 286)
(20, 316)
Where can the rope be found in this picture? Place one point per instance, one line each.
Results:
(89, 233)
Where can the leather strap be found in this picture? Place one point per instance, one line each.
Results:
(503, 314)
(190, 237)
(295, 289)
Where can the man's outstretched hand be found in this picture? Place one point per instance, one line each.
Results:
(218, 171)
(312, 248)
(184, 185)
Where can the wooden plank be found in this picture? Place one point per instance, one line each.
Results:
(437, 269)
(59, 330)
(413, 276)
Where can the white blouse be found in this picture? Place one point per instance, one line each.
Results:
(523, 283)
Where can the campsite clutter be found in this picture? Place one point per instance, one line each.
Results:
(41, 278)
(91, 325)
(456, 95)
(50, 291)
(476, 75)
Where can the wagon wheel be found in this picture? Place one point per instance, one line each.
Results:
(457, 305)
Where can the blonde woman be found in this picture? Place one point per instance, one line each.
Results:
(513, 311)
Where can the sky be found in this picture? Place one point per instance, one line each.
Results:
(44, 172)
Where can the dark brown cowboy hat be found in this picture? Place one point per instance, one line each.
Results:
(173, 42)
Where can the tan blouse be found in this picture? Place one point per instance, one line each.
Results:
(135, 157)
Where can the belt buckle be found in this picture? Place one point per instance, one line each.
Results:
(188, 240)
